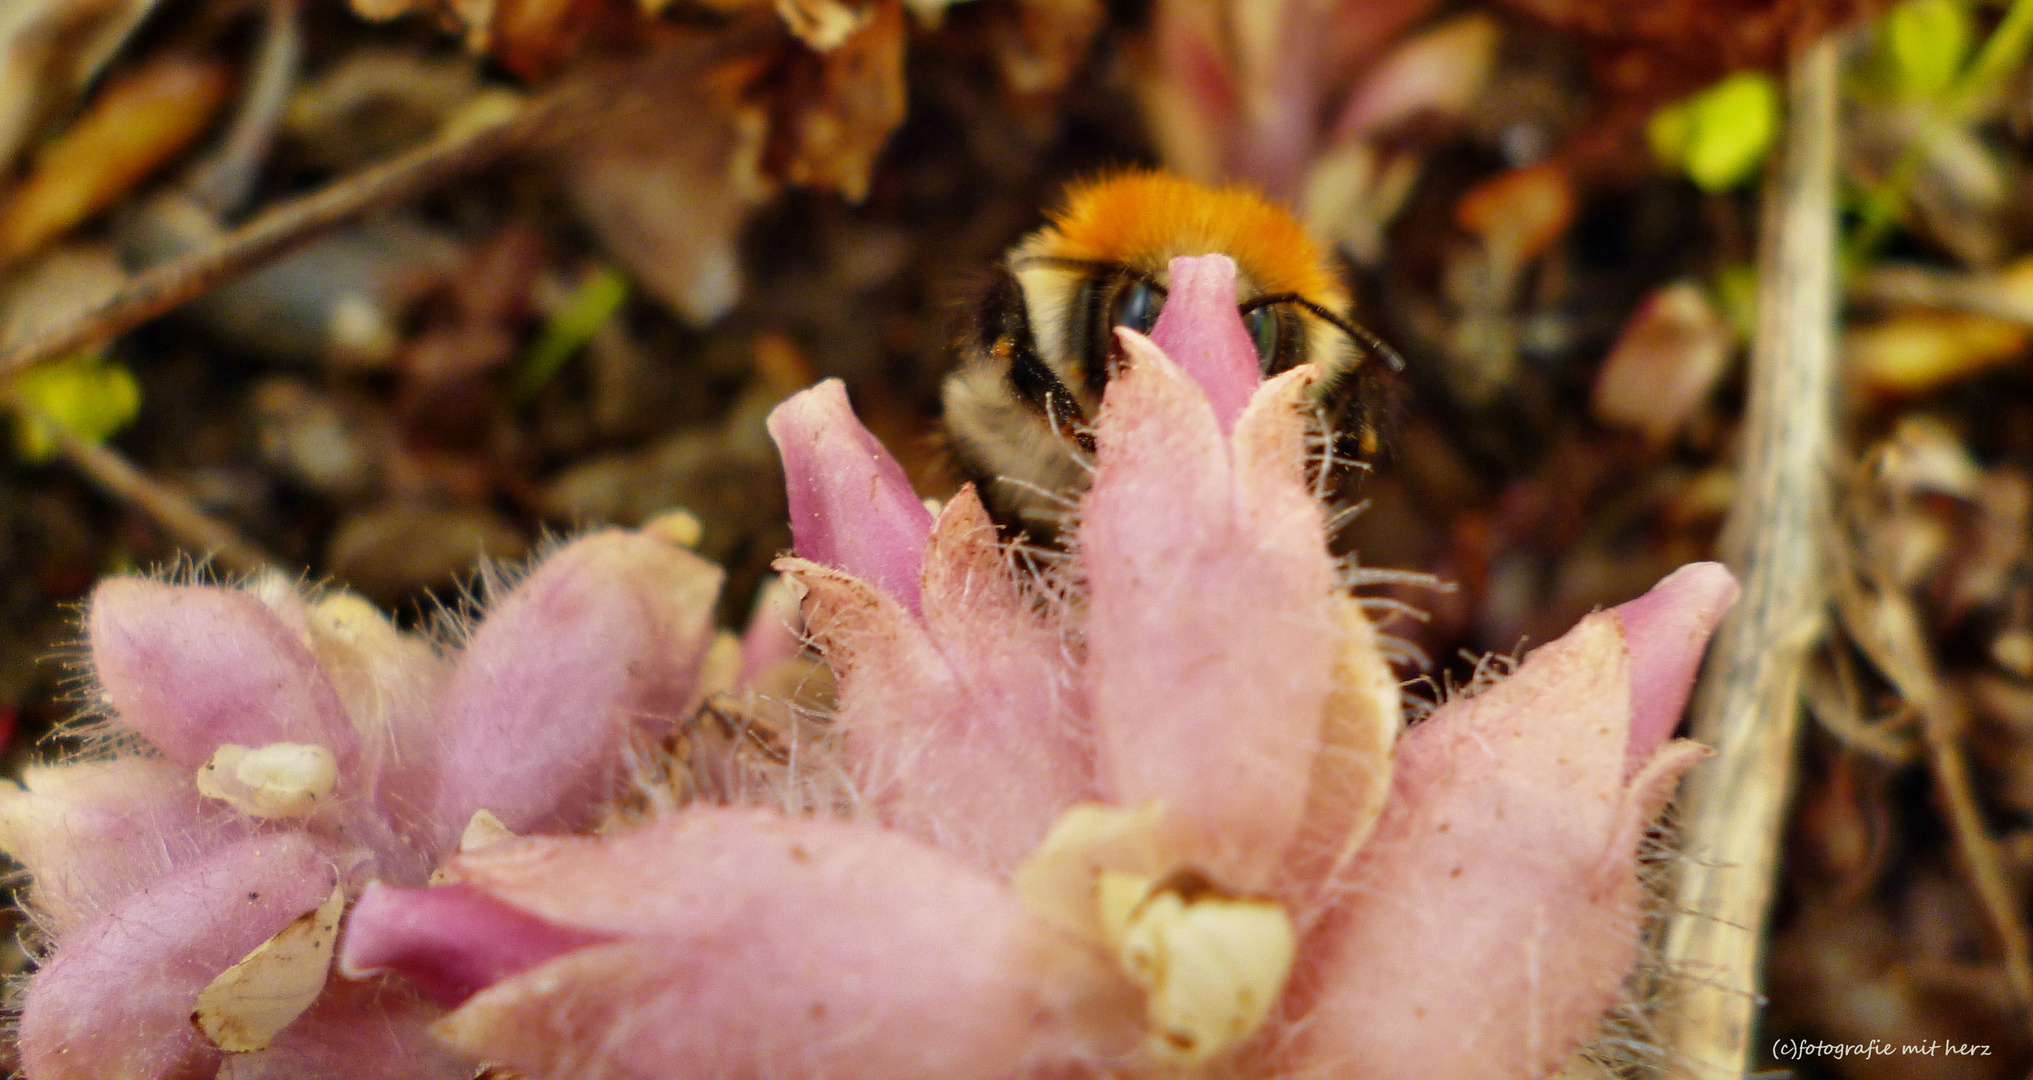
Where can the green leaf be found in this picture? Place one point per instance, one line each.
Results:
(566, 332)
(88, 396)
(1926, 43)
(1731, 127)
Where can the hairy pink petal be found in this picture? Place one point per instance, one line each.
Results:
(1211, 631)
(451, 941)
(852, 507)
(1200, 330)
(116, 999)
(1494, 912)
(192, 667)
(785, 948)
(894, 691)
(1019, 755)
(963, 729)
(605, 638)
(1666, 630)
(1352, 769)
(92, 833)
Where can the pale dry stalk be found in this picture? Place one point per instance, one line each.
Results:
(1748, 704)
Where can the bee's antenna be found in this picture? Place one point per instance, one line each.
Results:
(1360, 333)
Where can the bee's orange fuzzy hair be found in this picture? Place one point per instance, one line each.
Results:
(1144, 218)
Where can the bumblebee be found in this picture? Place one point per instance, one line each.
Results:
(1041, 346)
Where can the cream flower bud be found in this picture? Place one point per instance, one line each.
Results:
(1210, 964)
(280, 780)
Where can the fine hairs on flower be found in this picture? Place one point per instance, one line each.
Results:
(1142, 806)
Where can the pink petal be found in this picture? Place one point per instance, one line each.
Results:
(965, 729)
(116, 999)
(191, 667)
(785, 948)
(603, 640)
(1200, 329)
(93, 833)
(1278, 127)
(1020, 754)
(852, 507)
(1667, 630)
(1211, 632)
(1494, 912)
(412, 932)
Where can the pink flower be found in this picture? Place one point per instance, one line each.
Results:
(275, 752)
(1154, 813)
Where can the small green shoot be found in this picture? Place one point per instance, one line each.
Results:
(2003, 53)
(1924, 57)
(568, 329)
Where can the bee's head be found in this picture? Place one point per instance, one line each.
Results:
(1104, 262)
(1043, 344)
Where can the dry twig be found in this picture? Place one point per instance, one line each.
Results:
(1748, 704)
(203, 534)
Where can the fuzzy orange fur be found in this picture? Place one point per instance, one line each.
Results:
(1144, 218)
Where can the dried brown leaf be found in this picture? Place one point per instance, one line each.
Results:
(1043, 45)
(655, 184)
(49, 50)
(816, 119)
(1665, 363)
(1918, 352)
(138, 123)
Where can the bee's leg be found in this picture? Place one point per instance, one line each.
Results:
(1360, 404)
(1012, 426)
(1005, 333)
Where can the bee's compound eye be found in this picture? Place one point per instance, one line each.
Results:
(1136, 307)
(1264, 327)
